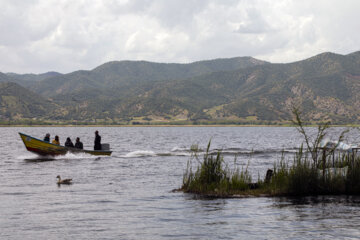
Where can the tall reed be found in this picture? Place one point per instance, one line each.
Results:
(213, 176)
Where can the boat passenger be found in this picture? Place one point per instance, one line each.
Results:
(97, 142)
(56, 140)
(47, 137)
(78, 144)
(69, 143)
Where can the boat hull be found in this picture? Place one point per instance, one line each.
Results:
(43, 148)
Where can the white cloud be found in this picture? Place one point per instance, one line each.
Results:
(46, 35)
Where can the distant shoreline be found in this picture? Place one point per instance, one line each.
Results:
(170, 125)
(143, 125)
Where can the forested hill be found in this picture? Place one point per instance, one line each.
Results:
(127, 74)
(235, 90)
(17, 102)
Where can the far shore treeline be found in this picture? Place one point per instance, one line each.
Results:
(232, 91)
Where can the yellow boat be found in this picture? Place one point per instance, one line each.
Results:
(43, 148)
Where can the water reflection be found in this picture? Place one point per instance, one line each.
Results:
(321, 215)
(317, 200)
(35, 160)
(212, 205)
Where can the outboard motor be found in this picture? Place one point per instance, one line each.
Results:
(105, 147)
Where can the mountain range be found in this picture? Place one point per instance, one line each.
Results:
(234, 90)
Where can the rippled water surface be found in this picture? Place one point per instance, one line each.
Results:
(128, 195)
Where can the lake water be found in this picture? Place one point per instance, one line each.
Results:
(128, 195)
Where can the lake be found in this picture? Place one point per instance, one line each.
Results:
(129, 195)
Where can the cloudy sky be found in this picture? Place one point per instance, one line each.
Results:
(67, 35)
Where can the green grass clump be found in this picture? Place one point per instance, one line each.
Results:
(213, 176)
(336, 175)
(305, 178)
(301, 178)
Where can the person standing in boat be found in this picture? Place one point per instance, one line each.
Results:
(47, 137)
(56, 140)
(69, 143)
(78, 144)
(97, 142)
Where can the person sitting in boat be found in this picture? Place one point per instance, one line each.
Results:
(69, 143)
(47, 137)
(56, 140)
(97, 142)
(78, 144)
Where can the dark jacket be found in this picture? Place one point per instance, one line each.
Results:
(97, 142)
(79, 145)
(69, 143)
(47, 139)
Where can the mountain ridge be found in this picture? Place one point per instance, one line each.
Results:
(222, 90)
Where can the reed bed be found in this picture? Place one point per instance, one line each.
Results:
(313, 170)
(300, 176)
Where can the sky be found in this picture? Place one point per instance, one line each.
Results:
(38, 36)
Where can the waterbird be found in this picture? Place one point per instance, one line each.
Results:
(63, 181)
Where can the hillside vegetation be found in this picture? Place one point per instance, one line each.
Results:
(235, 90)
(18, 103)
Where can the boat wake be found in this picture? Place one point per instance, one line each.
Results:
(76, 156)
(146, 153)
(140, 153)
(176, 151)
(181, 151)
(67, 156)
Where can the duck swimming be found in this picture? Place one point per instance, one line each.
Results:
(63, 181)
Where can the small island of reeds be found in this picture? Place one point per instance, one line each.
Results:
(315, 169)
